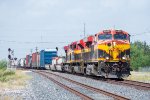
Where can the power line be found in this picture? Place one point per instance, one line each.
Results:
(62, 42)
(84, 30)
(142, 33)
(31, 51)
(27, 42)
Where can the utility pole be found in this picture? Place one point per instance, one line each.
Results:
(114, 27)
(41, 41)
(84, 30)
(30, 58)
(36, 49)
(31, 51)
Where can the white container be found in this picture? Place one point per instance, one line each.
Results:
(22, 62)
(53, 65)
(57, 63)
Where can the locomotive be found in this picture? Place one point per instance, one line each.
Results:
(105, 54)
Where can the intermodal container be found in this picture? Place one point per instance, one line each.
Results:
(35, 60)
(46, 57)
(34, 57)
(28, 60)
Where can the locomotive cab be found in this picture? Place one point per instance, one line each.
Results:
(114, 53)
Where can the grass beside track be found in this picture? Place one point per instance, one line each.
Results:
(11, 79)
(140, 76)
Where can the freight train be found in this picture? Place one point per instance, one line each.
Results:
(106, 54)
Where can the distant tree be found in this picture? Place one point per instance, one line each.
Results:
(140, 55)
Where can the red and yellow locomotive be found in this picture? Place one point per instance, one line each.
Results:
(106, 53)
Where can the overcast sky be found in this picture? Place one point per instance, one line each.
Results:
(26, 23)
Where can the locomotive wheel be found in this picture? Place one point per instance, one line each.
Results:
(84, 72)
(49, 67)
(103, 67)
(119, 74)
(63, 69)
(72, 70)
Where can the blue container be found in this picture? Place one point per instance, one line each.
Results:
(46, 57)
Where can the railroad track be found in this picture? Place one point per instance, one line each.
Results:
(136, 84)
(115, 96)
(83, 96)
(19, 68)
(130, 83)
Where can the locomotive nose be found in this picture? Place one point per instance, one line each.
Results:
(108, 44)
(118, 51)
(113, 50)
(112, 43)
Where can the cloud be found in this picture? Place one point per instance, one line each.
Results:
(62, 21)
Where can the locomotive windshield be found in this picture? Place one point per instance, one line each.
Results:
(105, 36)
(120, 36)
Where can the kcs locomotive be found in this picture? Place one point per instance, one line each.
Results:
(106, 54)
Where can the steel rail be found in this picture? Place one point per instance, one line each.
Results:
(115, 96)
(83, 96)
(139, 85)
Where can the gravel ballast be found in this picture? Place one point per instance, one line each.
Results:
(39, 88)
(129, 92)
(90, 93)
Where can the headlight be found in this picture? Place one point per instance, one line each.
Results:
(107, 58)
(124, 58)
(114, 44)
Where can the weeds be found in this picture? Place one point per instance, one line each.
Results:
(5, 75)
(10, 79)
(3, 65)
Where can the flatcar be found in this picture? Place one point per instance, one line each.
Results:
(105, 54)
